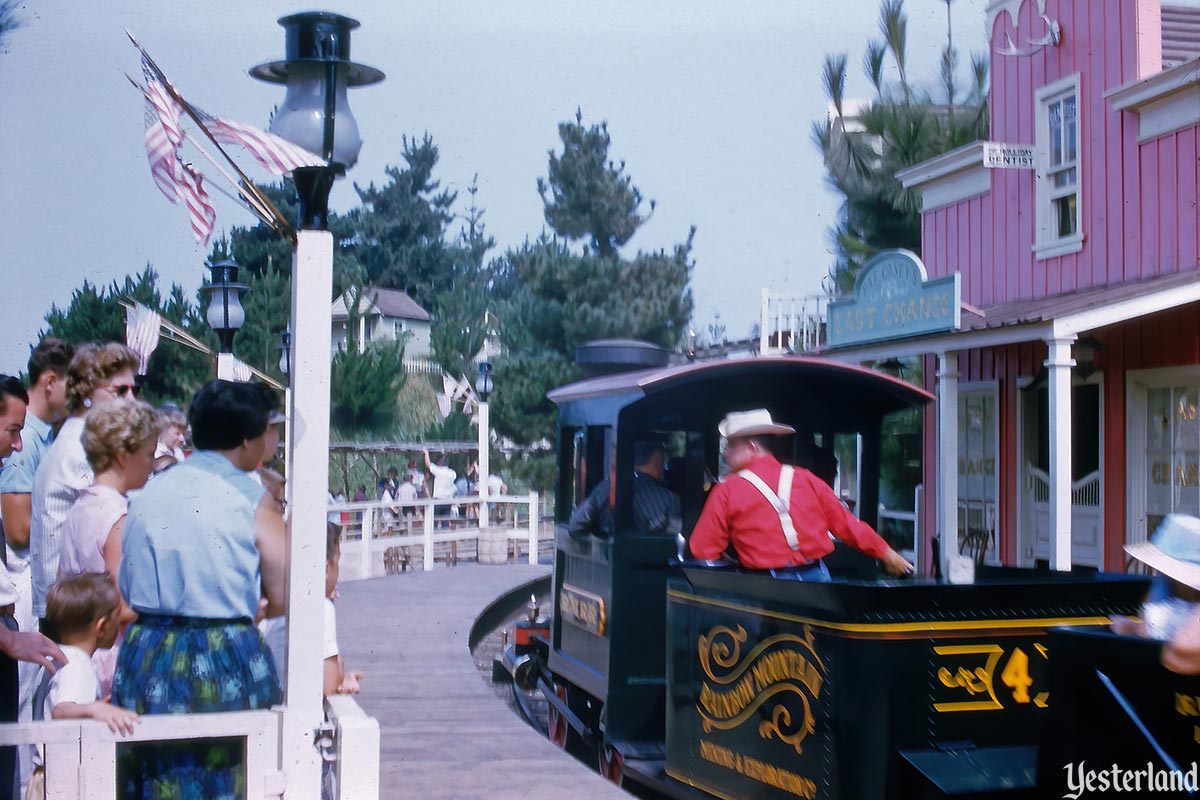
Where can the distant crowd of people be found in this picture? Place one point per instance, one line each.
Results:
(141, 576)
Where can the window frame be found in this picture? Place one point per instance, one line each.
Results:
(1047, 243)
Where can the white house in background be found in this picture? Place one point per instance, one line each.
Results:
(385, 315)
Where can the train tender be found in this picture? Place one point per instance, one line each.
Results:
(703, 680)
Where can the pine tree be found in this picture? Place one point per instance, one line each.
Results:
(401, 227)
(550, 299)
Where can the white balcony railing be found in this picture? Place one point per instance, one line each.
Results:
(792, 323)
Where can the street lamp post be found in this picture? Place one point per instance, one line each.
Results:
(483, 390)
(225, 313)
(317, 71)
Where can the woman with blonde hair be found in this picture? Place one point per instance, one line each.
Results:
(98, 374)
(119, 440)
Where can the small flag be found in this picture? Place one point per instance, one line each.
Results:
(141, 334)
(241, 371)
(274, 153)
(200, 210)
(165, 108)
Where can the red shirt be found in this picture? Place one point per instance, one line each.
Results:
(736, 513)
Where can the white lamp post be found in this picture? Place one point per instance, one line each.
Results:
(225, 313)
(317, 71)
(483, 390)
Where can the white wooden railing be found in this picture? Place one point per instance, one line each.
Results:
(81, 755)
(370, 529)
(791, 323)
(1084, 492)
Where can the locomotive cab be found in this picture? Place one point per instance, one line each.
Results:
(608, 642)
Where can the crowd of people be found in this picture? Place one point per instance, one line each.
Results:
(141, 577)
(438, 481)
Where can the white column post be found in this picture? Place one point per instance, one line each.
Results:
(308, 493)
(947, 459)
(763, 336)
(484, 464)
(368, 533)
(225, 366)
(428, 520)
(533, 527)
(1058, 365)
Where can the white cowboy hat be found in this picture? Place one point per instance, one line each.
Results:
(757, 422)
(1173, 549)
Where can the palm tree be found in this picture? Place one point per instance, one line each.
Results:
(901, 126)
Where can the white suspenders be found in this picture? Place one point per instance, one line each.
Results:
(779, 501)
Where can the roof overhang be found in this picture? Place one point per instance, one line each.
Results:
(1043, 319)
(1164, 102)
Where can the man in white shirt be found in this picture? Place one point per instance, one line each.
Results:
(443, 484)
(14, 645)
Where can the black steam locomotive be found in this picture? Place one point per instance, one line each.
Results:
(702, 680)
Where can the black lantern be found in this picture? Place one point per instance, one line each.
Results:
(315, 113)
(225, 313)
(483, 384)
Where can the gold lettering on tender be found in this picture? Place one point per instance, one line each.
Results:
(1186, 705)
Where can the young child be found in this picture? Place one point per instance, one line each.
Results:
(83, 610)
(337, 679)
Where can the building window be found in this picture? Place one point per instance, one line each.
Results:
(978, 477)
(1058, 189)
(397, 328)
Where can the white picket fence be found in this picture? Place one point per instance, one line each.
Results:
(372, 530)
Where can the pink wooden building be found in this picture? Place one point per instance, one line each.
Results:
(1066, 420)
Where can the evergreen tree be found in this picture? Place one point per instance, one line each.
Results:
(901, 127)
(401, 227)
(589, 196)
(366, 385)
(549, 299)
(176, 371)
(461, 309)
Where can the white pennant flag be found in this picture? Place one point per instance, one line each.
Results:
(141, 334)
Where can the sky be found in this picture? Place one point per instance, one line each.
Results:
(708, 102)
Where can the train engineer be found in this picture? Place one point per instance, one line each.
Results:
(777, 518)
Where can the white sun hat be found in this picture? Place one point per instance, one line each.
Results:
(1173, 549)
(757, 422)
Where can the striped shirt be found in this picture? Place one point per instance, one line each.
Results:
(62, 475)
(656, 509)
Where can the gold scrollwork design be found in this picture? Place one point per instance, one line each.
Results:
(722, 647)
(708, 724)
(781, 718)
(726, 656)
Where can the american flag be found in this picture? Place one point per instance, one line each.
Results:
(275, 154)
(175, 179)
(200, 209)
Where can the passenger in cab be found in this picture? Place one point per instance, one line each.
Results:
(656, 509)
(777, 518)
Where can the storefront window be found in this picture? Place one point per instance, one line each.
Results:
(1172, 453)
(978, 479)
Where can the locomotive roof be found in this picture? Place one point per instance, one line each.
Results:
(832, 378)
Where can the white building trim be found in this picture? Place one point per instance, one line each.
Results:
(949, 178)
(1166, 102)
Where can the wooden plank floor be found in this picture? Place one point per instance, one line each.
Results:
(443, 731)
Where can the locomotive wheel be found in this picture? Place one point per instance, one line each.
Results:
(611, 764)
(557, 727)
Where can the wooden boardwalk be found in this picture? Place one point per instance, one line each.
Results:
(443, 731)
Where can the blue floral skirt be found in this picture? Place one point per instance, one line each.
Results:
(181, 665)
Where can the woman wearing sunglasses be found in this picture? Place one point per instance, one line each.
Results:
(98, 374)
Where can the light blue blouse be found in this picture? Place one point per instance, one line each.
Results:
(188, 547)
